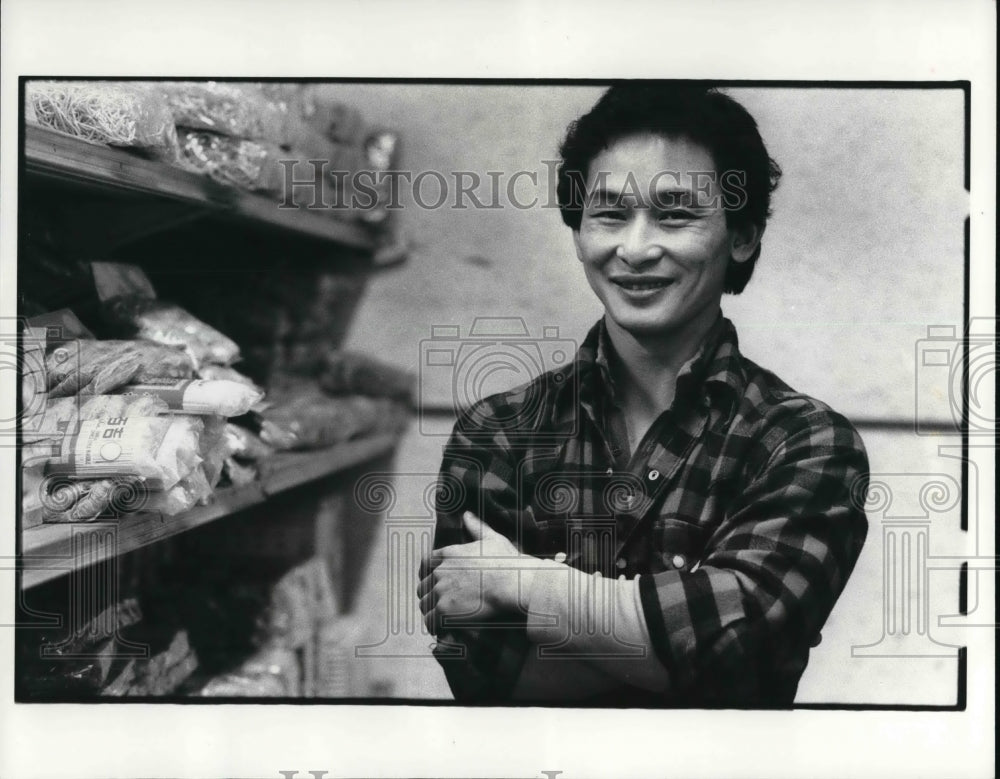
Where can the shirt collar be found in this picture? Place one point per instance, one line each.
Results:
(715, 371)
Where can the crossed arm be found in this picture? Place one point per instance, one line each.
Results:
(766, 583)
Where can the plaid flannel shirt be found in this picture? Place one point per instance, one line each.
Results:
(741, 511)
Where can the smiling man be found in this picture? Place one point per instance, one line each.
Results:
(664, 523)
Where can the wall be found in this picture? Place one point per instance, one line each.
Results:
(863, 253)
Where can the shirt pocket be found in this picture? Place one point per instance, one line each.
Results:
(677, 544)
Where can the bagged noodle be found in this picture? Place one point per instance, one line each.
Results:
(216, 448)
(236, 162)
(219, 397)
(159, 674)
(80, 501)
(129, 304)
(170, 325)
(353, 373)
(88, 371)
(272, 434)
(214, 372)
(62, 417)
(244, 445)
(236, 110)
(105, 112)
(189, 492)
(317, 420)
(61, 500)
(94, 367)
(281, 438)
(239, 475)
(159, 451)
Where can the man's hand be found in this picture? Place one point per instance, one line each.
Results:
(479, 580)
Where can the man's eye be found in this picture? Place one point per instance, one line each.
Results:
(609, 215)
(676, 215)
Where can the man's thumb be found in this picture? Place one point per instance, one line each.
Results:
(476, 527)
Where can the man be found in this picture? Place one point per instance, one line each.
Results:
(663, 522)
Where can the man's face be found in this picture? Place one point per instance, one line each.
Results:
(653, 238)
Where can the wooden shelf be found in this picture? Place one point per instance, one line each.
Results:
(53, 155)
(47, 550)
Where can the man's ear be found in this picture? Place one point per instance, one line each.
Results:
(744, 242)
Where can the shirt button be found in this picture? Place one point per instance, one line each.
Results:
(678, 561)
(654, 475)
(620, 563)
(560, 557)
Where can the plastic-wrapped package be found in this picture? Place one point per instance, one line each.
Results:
(87, 659)
(170, 325)
(219, 397)
(217, 372)
(354, 373)
(216, 447)
(159, 451)
(239, 110)
(91, 368)
(271, 672)
(180, 451)
(277, 436)
(235, 162)
(244, 445)
(61, 500)
(318, 420)
(79, 501)
(239, 475)
(106, 112)
(97, 367)
(160, 674)
(32, 487)
(238, 685)
(192, 490)
(129, 305)
(108, 406)
(34, 382)
(63, 415)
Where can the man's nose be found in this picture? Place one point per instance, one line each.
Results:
(640, 244)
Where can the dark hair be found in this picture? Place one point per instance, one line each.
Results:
(699, 113)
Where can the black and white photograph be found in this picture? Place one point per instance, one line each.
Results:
(392, 421)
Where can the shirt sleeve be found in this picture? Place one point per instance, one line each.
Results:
(481, 663)
(739, 627)
(594, 623)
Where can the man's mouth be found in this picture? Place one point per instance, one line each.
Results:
(642, 285)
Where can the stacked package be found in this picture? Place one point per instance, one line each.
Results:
(129, 115)
(338, 396)
(246, 135)
(283, 646)
(227, 131)
(118, 651)
(125, 425)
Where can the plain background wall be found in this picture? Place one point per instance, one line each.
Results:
(863, 253)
